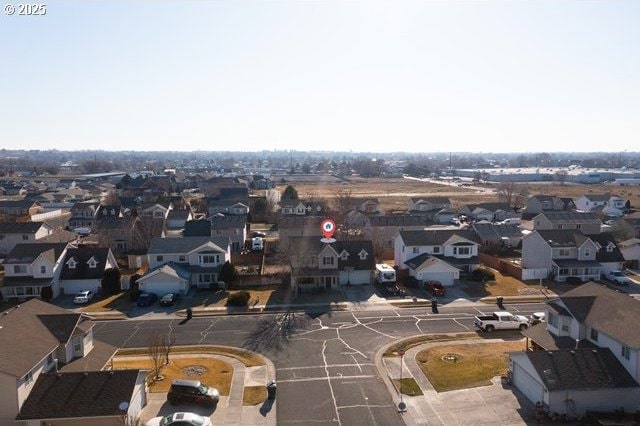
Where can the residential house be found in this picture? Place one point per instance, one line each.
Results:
(156, 211)
(301, 208)
(30, 267)
(537, 204)
(12, 233)
(561, 254)
(83, 214)
(35, 337)
(383, 229)
(298, 226)
(18, 209)
(608, 255)
(488, 211)
(233, 227)
(589, 202)
(175, 222)
(498, 234)
(317, 266)
(630, 250)
(428, 204)
(587, 223)
(104, 212)
(85, 397)
(445, 216)
(436, 254)
(585, 357)
(369, 206)
(177, 264)
(234, 200)
(83, 268)
(629, 226)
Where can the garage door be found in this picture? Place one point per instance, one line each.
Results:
(74, 287)
(160, 288)
(446, 278)
(526, 384)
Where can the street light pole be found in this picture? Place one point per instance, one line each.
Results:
(402, 407)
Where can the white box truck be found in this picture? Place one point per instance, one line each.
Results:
(385, 274)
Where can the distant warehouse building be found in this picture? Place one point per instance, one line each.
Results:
(533, 174)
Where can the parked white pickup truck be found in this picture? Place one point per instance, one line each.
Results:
(501, 321)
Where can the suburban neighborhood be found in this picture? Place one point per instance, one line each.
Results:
(541, 274)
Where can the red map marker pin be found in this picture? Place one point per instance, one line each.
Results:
(328, 228)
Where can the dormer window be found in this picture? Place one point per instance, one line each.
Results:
(610, 247)
(587, 252)
(363, 254)
(71, 263)
(344, 255)
(92, 263)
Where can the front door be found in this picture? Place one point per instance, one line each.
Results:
(327, 282)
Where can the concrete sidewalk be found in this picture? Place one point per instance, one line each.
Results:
(497, 404)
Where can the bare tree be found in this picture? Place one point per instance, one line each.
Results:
(110, 199)
(155, 350)
(560, 176)
(506, 191)
(168, 342)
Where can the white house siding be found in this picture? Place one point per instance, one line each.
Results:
(355, 277)
(446, 278)
(595, 400)
(139, 397)
(8, 399)
(76, 286)
(610, 266)
(536, 254)
(24, 388)
(525, 378)
(161, 284)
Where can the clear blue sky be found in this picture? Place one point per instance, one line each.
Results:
(491, 76)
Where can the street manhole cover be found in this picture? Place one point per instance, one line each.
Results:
(451, 358)
(194, 370)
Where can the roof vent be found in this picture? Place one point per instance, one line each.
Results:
(572, 352)
(549, 353)
(595, 351)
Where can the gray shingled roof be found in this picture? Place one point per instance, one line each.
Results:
(549, 341)
(197, 228)
(297, 222)
(434, 237)
(580, 369)
(571, 217)
(20, 227)
(83, 271)
(27, 253)
(220, 221)
(31, 331)
(562, 237)
(184, 245)
(605, 239)
(606, 310)
(79, 394)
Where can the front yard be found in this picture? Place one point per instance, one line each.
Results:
(464, 366)
(502, 285)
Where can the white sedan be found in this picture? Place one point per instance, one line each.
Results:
(83, 297)
(180, 419)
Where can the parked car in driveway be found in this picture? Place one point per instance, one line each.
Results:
(391, 290)
(169, 299)
(192, 391)
(83, 297)
(180, 419)
(617, 277)
(146, 299)
(536, 317)
(435, 287)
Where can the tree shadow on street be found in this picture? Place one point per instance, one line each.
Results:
(274, 332)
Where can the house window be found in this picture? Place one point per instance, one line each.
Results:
(19, 269)
(206, 278)
(327, 260)
(344, 255)
(565, 328)
(50, 359)
(77, 347)
(28, 378)
(587, 252)
(43, 269)
(563, 252)
(578, 226)
(594, 334)
(363, 255)
(121, 245)
(625, 352)
(92, 263)
(436, 249)
(553, 319)
(563, 271)
(416, 249)
(25, 237)
(207, 259)
(159, 258)
(610, 247)
(403, 249)
(182, 258)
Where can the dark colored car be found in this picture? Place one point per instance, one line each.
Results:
(192, 391)
(574, 280)
(147, 299)
(169, 299)
(392, 290)
(435, 287)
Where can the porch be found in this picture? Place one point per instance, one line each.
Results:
(586, 270)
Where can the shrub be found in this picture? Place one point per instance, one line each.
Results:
(46, 293)
(482, 274)
(239, 298)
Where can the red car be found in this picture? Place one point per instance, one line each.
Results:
(435, 287)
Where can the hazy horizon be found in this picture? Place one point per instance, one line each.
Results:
(370, 77)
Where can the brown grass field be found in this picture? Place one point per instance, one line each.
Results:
(393, 193)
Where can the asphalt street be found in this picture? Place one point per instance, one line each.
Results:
(325, 366)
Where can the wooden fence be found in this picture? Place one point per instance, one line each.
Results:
(503, 266)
